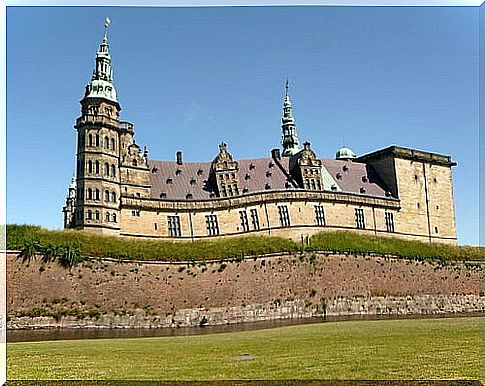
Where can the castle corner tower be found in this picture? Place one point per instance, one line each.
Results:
(97, 203)
(289, 138)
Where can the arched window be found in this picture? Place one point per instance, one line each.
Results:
(134, 162)
(97, 215)
(313, 185)
(113, 171)
(112, 143)
(90, 194)
(106, 195)
(106, 142)
(96, 194)
(97, 140)
(90, 140)
(90, 166)
(97, 167)
(114, 217)
(106, 169)
(89, 215)
(113, 196)
(108, 217)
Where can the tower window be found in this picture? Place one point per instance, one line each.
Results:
(106, 142)
(96, 194)
(114, 217)
(90, 140)
(89, 215)
(212, 225)
(389, 217)
(90, 166)
(96, 167)
(284, 216)
(254, 219)
(436, 230)
(113, 196)
(112, 143)
(174, 229)
(320, 215)
(90, 194)
(108, 217)
(359, 218)
(243, 216)
(113, 171)
(106, 195)
(97, 140)
(106, 169)
(97, 215)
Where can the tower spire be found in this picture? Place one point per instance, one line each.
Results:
(101, 85)
(289, 138)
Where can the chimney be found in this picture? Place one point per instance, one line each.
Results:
(179, 158)
(275, 154)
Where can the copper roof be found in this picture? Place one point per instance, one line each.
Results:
(190, 180)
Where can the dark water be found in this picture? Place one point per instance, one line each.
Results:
(113, 333)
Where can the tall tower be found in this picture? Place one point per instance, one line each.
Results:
(97, 204)
(289, 138)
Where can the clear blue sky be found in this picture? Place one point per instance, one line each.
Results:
(189, 78)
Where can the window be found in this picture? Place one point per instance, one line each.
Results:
(106, 169)
(389, 217)
(89, 215)
(284, 216)
(135, 213)
(114, 217)
(212, 225)
(90, 140)
(97, 140)
(113, 171)
(113, 196)
(112, 143)
(97, 167)
(106, 142)
(320, 215)
(254, 219)
(173, 226)
(90, 194)
(106, 195)
(359, 218)
(108, 217)
(97, 215)
(243, 216)
(90, 166)
(96, 194)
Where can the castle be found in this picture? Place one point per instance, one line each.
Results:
(292, 193)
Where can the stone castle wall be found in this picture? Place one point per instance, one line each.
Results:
(280, 286)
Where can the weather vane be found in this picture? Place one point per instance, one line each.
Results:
(107, 22)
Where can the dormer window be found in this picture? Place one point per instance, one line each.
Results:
(339, 176)
(178, 172)
(345, 168)
(251, 166)
(189, 196)
(364, 179)
(163, 195)
(192, 181)
(199, 172)
(268, 174)
(169, 181)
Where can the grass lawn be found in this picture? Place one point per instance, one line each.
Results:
(446, 348)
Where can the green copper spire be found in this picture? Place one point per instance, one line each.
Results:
(289, 138)
(101, 85)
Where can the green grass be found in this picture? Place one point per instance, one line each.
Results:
(19, 237)
(445, 348)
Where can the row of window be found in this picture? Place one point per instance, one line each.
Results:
(95, 141)
(251, 222)
(96, 215)
(95, 168)
(94, 194)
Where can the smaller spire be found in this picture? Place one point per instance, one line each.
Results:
(289, 138)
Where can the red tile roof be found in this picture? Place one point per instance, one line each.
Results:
(190, 180)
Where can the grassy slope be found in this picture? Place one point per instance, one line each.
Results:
(105, 246)
(389, 349)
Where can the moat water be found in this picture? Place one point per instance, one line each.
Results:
(117, 333)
